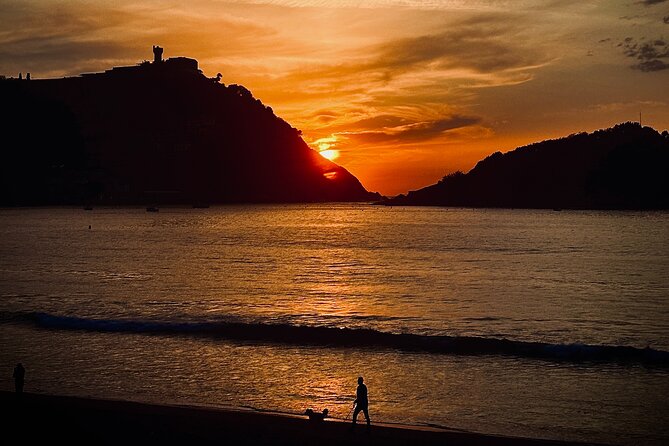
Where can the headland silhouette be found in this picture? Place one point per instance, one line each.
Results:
(623, 167)
(159, 132)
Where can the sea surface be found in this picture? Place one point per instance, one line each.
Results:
(515, 322)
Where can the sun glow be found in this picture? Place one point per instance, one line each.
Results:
(326, 147)
(329, 154)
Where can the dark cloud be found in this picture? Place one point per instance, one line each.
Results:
(651, 65)
(650, 55)
(430, 129)
(41, 54)
(379, 122)
(416, 131)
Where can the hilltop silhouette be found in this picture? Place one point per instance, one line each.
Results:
(623, 167)
(159, 132)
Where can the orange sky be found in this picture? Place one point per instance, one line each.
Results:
(406, 91)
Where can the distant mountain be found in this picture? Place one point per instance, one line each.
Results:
(624, 167)
(159, 133)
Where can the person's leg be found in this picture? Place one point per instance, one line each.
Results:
(366, 412)
(356, 411)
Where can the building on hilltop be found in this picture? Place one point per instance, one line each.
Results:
(185, 63)
(173, 64)
(157, 54)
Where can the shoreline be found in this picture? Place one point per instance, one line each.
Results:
(36, 418)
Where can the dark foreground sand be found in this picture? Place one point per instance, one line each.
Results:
(45, 419)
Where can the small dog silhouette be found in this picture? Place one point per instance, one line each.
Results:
(315, 416)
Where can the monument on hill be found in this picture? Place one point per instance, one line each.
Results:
(157, 54)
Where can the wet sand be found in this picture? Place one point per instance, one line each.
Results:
(47, 419)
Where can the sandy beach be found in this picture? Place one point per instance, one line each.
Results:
(34, 418)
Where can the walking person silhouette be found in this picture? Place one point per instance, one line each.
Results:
(19, 376)
(361, 402)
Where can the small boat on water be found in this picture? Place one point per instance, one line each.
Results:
(88, 208)
(152, 209)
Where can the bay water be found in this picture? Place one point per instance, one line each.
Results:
(514, 322)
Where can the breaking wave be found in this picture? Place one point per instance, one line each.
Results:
(355, 337)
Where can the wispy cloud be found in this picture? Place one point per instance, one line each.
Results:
(479, 5)
(70, 37)
(56, 37)
(482, 46)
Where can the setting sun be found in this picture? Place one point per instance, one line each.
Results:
(329, 154)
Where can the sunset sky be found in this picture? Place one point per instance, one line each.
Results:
(405, 90)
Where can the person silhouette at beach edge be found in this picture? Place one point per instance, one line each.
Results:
(361, 402)
(19, 377)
